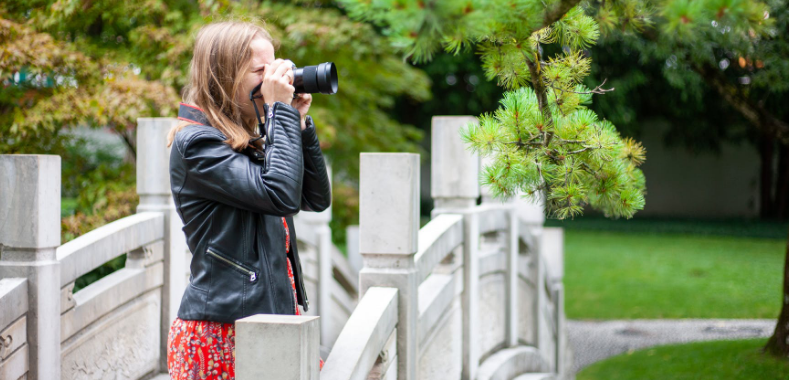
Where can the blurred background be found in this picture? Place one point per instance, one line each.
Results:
(709, 245)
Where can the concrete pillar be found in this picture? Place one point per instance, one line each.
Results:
(511, 236)
(389, 227)
(153, 187)
(511, 299)
(352, 247)
(29, 236)
(454, 181)
(455, 189)
(318, 222)
(278, 347)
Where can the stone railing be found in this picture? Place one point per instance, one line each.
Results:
(117, 327)
(474, 294)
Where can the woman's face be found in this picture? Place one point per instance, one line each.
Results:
(262, 54)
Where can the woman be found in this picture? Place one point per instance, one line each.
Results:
(236, 193)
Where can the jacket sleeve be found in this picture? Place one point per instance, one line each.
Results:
(316, 190)
(219, 173)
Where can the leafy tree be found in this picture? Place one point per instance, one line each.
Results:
(725, 61)
(106, 63)
(720, 81)
(544, 138)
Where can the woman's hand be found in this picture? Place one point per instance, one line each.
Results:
(278, 82)
(302, 103)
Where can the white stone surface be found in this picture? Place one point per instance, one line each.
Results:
(508, 363)
(277, 347)
(352, 248)
(29, 201)
(453, 168)
(15, 366)
(385, 368)
(531, 211)
(13, 297)
(43, 291)
(364, 337)
(437, 239)
(442, 354)
(436, 294)
(526, 320)
(536, 376)
(102, 297)
(492, 315)
(153, 187)
(98, 246)
(13, 337)
(122, 345)
(153, 178)
(552, 249)
(389, 203)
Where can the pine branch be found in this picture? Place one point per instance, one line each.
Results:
(542, 97)
(555, 14)
(599, 90)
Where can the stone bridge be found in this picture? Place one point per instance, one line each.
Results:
(474, 294)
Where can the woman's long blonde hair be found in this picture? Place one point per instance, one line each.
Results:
(221, 55)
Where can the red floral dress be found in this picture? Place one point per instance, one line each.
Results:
(206, 350)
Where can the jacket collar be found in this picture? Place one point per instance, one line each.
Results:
(192, 114)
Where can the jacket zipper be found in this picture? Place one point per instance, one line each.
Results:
(252, 275)
(270, 122)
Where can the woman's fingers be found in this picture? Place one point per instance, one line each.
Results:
(283, 70)
(278, 80)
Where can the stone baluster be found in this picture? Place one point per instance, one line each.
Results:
(455, 189)
(511, 271)
(318, 223)
(29, 237)
(352, 246)
(153, 187)
(389, 227)
(278, 347)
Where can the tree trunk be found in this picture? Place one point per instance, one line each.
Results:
(777, 344)
(766, 206)
(782, 184)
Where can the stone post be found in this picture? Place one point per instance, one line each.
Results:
(389, 227)
(455, 189)
(318, 223)
(153, 187)
(278, 347)
(352, 246)
(512, 246)
(511, 299)
(29, 237)
(454, 181)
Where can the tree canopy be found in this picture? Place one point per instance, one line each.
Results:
(544, 139)
(67, 63)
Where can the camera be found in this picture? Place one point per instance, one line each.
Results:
(321, 78)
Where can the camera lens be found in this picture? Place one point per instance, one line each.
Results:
(321, 78)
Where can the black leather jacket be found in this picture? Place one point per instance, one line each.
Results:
(232, 207)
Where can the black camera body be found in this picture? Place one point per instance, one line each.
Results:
(316, 79)
(320, 78)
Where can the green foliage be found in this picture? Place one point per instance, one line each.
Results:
(542, 142)
(104, 63)
(719, 360)
(644, 274)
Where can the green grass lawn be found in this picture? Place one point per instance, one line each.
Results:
(628, 275)
(724, 360)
